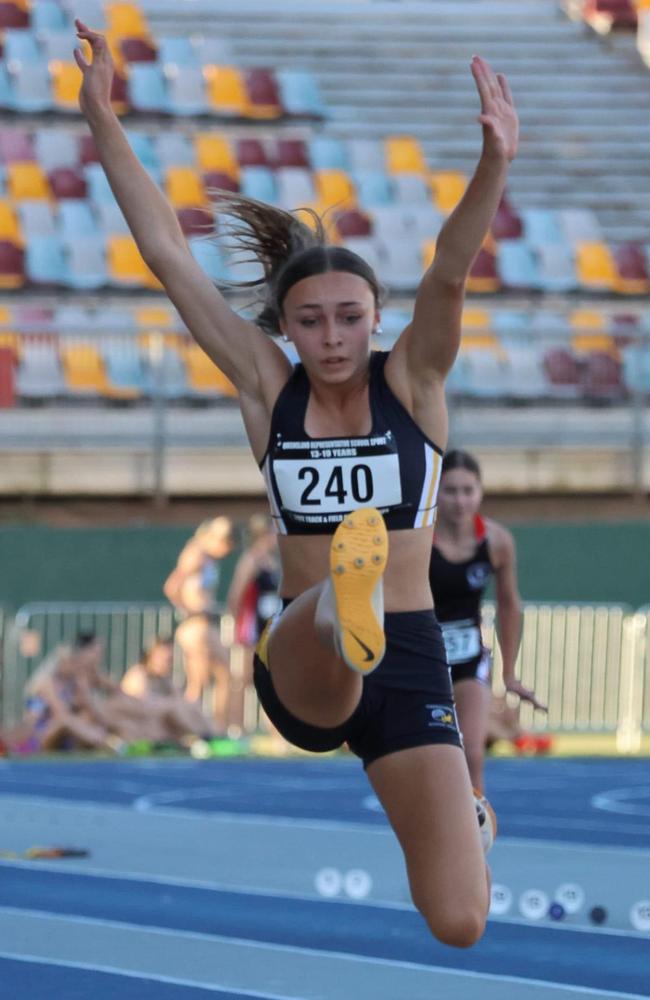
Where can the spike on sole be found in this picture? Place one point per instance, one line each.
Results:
(358, 555)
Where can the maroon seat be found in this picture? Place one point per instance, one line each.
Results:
(33, 317)
(7, 382)
(67, 183)
(263, 93)
(292, 153)
(87, 150)
(12, 265)
(621, 12)
(12, 16)
(251, 153)
(602, 376)
(16, 146)
(561, 367)
(630, 261)
(353, 223)
(195, 221)
(484, 276)
(138, 50)
(506, 224)
(219, 180)
(120, 94)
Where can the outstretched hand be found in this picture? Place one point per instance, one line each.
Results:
(516, 687)
(498, 114)
(97, 75)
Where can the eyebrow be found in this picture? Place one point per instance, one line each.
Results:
(318, 305)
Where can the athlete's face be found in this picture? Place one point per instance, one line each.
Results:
(160, 660)
(330, 318)
(459, 497)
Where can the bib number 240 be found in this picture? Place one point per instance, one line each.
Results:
(356, 480)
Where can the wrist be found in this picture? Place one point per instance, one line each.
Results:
(99, 115)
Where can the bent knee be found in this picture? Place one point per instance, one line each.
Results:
(458, 928)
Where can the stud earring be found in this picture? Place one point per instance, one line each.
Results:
(284, 337)
(378, 331)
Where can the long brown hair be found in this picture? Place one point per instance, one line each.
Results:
(287, 248)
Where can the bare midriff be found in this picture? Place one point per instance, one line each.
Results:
(305, 563)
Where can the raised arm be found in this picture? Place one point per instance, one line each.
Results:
(238, 347)
(429, 345)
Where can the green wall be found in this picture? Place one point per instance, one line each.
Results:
(564, 562)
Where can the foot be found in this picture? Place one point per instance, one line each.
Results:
(352, 600)
(487, 821)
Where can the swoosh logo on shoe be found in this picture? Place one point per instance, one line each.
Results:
(367, 650)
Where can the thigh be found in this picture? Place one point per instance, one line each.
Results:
(427, 795)
(472, 699)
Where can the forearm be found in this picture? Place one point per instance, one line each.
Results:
(509, 635)
(149, 215)
(463, 233)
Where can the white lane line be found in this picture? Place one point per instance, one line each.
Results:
(79, 926)
(620, 801)
(115, 970)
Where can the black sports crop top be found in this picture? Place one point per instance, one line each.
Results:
(312, 483)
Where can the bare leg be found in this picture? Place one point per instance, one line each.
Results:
(473, 707)
(428, 799)
(79, 728)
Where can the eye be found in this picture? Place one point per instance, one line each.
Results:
(308, 322)
(351, 318)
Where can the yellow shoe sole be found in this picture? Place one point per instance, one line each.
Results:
(358, 555)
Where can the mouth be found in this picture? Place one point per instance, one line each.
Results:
(333, 362)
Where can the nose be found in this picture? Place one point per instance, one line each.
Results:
(331, 332)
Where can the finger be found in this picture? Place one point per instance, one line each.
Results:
(489, 77)
(505, 89)
(80, 61)
(478, 73)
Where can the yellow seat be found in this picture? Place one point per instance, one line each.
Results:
(153, 316)
(27, 181)
(448, 188)
(480, 342)
(203, 375)
(5, 317)
(428, 253)
(12, 341)
(184, 187)
(126, 20)
(9, 224)
(214, 152)
(66, 83)
(475, 320)
(126, 266)
(334, 189)
(404, 156)
(226, 90)
(83, 369)
(589, 328)
(595, 267)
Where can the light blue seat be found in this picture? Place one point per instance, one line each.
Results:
(208, 255)
(36, 218)
(147, 91)
(295, 187)
(111, 219)
(124, 367)
(47, 16)
(99, 190)
(85, 262)
(556, 268)
(6, 90)
(31, 86)
(89, 11)
(39, 374)
(511, 325)
(516, 265)
(411, 189)
(259, 183)
(58, 45)
(56, 147)
(636, 368)
(486, 374)
(299, 93)
(177, 50)
(328, 153)
(173, 149)
(21, 46)
(143, 147)
(45, 261)
(374, 187)
(75, 218)
(541, 226)
(186, 93)
(172, 376)
(366, 154)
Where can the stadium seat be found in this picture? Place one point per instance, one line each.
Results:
(8, 363)
(214, 152)
(137, 50)
(16, 146)
(173, 149)
(485, 372)
(524, 376)
(258, 183)
(186, 94)
(579, 225)
(295, 187)
(299, 94)
(210, 258)
(10, 229)
(212, 50)
(595, 267)
(56, 46)
(146, 88)
(172, 374)
(374, 187)
(563, 372)
(366, 154)
(410, 189)
(20, 47)
(203, 376)
(30, 87)
(483, 277)
(177, 50)
(506, 225)
(448, 188)
(602, 377)
(26, 180)
(12, 265)
(46, 15)
(126, 20)
(334, 189)
(428, 252)
(516, 265)
(125, 373)
(99, 190)
(142, 145)
(555, 268)
(75, 218)
(120, 101)
(85, 260)
(218, 180)
(390, 222)
(328, 153)
(6, 91)
(262, 94)
(251, 153)
(423, 220)
(184, 187)
(45, 262)
(400, 264)
(66, 83)
(36, 218)
(226, 91)
(541, 227)
(404, 156)
(67, 183)
(126, 268)
(87, 150)
(291, 153)
(353, 223)
(161, 317)
(39, 374)
(56, 147)
(631, 269)
(83, 369)
(90, 12)
(368, 248)
(13, 16)
(195, 221)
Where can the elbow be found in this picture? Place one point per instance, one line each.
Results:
(162, 255)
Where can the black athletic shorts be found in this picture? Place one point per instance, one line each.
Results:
(406, 702)
(477, 669)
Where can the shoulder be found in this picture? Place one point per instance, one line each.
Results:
(501, 543)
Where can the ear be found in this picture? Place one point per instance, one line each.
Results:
(283, 329)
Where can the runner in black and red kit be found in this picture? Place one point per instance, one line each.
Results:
(467, 552)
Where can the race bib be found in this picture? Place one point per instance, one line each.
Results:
(462, 641)
(320, 481)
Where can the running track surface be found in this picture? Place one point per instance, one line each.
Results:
(281, 879)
